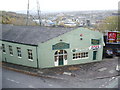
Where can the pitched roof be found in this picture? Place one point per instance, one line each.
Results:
(31, 34)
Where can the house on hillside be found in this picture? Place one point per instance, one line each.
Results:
(45, 47)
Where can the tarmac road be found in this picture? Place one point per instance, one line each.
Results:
(115, 83)
(11, 79)
(0, 77)
(83, 79)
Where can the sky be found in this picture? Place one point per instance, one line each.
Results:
(59, 5)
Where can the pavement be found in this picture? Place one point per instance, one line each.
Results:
(83, 72)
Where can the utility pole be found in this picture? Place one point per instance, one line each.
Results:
(27, 22)
(39, 12)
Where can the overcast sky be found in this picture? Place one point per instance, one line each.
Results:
(59, 5)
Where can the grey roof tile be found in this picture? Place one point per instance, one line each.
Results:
(31, 34)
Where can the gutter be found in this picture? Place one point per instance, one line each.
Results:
(19, 43)
(37, 57)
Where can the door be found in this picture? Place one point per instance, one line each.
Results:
(61, 60)
(60, 57)
(94, 55)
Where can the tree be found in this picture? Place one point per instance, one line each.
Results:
(109, 23)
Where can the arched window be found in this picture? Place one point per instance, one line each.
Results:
(59, 53)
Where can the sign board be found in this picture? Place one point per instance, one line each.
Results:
(95, 47)
(118, 37)
(60, 45)
(113, 37)
(95, 41)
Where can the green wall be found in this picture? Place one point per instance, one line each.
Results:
(0, 51)
(14, 59)
(46, 54)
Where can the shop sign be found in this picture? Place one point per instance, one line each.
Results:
(95, 47)
(112, 36)
(118, 37)
(60, 45)
(95, 41)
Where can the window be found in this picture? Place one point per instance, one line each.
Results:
(19, 52)
(56, 58)
(3, 48)
(0, 47)
(30, 55)
(80, 55)
(60, 53)
(10, 50)
(74, 56)
(65, 57)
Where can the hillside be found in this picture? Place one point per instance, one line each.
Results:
(14, 18)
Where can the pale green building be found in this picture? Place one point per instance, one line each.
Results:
(44, 47)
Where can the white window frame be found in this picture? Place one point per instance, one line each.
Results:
(19, 53)
(30, 54)
(3, 48)
(58, 54)
(10, 50)
(81, 55)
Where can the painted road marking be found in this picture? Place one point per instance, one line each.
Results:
(110, 79)
(103, 85)
(113, 84)
(30, 86)
(106, 82)
(13, 80)
(50, 85)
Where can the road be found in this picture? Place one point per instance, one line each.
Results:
(11, 79)
(0, 78)
(115, 83)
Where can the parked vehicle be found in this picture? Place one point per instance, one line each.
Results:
(117, 51)
(108, 53)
